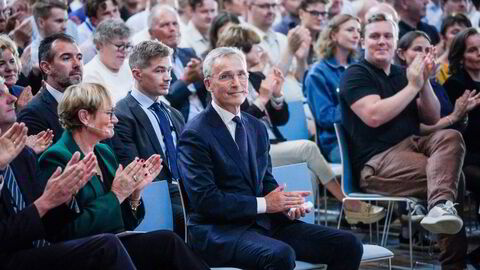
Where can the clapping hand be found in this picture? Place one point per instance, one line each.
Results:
(61, 187)
(24, 98)
(280, 201)
(127, 179)
(473, 100)
(12, 143)
(40, 141)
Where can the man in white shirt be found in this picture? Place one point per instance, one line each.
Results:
(196, 32)
(61, 65)
(282, 50)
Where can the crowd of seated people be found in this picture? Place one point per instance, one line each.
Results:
(99, 98)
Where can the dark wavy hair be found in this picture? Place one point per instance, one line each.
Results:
(220, 20)
(458, 47)
(406, 42)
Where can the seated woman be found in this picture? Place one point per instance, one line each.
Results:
(108, 67)
(111, 201)
(266, 102)
(10, 67)
(418, 42)
(336, 49)
(451, 26)
(464, 59)
(220, 23)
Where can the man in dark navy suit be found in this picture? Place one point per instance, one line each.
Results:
(139, 132)
(25, 207)
(240, 216)
(187, 91)
(61, 64)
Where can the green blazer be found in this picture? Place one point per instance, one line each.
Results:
(100, 211)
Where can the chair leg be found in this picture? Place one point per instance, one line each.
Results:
(389, 223)
(340, 216)
(390, 264)
(384, 236)
(410, 236)
(325, 198)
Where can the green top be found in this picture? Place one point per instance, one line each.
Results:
(100, 211)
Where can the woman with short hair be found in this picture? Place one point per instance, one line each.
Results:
(108, 67)
(111, 201)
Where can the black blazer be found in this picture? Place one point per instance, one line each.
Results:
(221, 190)
(178, 93)
(277, 117)
(135, 136)
(18, 230)
(41, 114)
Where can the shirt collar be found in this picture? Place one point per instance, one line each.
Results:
(225, 115)
(194, 33)
(57, 95)
(143, 99)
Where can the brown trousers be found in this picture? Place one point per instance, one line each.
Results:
(425, 167)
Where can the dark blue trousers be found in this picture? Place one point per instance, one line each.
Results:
(103, 251)
(278, 249)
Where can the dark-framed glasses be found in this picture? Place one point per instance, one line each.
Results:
(126, 47)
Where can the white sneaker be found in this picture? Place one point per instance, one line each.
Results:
(442, 218)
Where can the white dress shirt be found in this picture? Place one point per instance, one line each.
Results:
(192, 38)
(227, 118)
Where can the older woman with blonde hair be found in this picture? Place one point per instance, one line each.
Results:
(10, 67)
(111, 201)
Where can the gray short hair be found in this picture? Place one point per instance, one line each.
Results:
(156, 10)
(220, 52)
(143, 52)
(109, 30)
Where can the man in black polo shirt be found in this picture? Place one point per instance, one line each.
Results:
(411, 12)
(382, 107)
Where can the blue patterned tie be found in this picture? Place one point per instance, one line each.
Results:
(166, 129)
(17, 199)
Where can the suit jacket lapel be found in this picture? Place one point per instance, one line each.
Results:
(226, 141)
(143, 119)
(50, 101)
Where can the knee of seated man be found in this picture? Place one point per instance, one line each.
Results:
(308, 148)
(282, 257)
(453, 137)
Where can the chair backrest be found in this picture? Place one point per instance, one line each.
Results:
(296, 127)
(349, 183)
(297, 177)
(158, 208)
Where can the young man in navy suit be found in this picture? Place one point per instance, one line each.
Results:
(139, 132)
(240, 214)
(25, 207)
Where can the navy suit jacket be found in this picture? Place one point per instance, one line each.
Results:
(178, 93)
(41, 114)
(221, 190)
(18, 230)
(135, 136)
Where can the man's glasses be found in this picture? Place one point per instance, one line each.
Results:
(123, 47)
(317, 13)
(228, 77)
(267, 6)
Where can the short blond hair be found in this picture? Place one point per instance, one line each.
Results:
(86, 96)
(7, 44)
